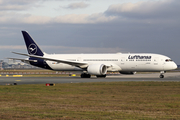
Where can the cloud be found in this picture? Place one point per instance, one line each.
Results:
(33, 19)
(12, 7)
(16, 4)
(79, 5)
(16, 47)
(63, 49)
(149, 12)
(146, 10)
(15, 18)
(83, 18)
(164, 11)
(1, 1)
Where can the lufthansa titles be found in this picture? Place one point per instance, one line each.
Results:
(139, 57)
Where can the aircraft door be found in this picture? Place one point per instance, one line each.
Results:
(159, 63)
(163, 63)
(79, 59)
(122, 60)
(156, 61)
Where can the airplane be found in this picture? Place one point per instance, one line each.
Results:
(95, 64)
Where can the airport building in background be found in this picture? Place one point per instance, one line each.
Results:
(13, 64)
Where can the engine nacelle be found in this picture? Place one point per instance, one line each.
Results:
(97, 69)
(127, 72)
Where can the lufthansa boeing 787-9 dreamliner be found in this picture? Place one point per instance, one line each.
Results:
(96, 64)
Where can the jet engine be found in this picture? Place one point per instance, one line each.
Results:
(97, 69)
(127, 72)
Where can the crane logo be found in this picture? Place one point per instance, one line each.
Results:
(32, 49)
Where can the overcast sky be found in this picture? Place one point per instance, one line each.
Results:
(92, 26)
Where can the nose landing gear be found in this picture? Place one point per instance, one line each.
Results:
(162, 74)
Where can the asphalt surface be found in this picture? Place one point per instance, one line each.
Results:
(175, 76)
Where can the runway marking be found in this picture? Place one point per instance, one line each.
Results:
(17, 75)
(17, 80)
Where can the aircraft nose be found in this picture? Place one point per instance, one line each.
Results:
(174, 66)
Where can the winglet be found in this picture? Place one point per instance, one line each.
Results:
(32, 47)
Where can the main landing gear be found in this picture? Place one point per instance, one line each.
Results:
(84, 75)
(162, 74)
(100, 76)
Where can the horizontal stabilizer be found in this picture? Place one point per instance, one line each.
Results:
(23, 60)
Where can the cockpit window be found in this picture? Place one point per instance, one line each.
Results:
(168, 60)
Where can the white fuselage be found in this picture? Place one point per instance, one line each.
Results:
(144, 62)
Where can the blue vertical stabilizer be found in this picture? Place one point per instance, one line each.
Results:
(31, 45)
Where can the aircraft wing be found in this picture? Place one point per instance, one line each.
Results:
(78, 64)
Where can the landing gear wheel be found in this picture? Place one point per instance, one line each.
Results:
(100, 76)
(84, 75)
(161, 76)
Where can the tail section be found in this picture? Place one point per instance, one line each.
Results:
(32, 47)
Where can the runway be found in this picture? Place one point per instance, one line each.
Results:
(174, 76)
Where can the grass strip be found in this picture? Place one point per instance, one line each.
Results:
(92, 101)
